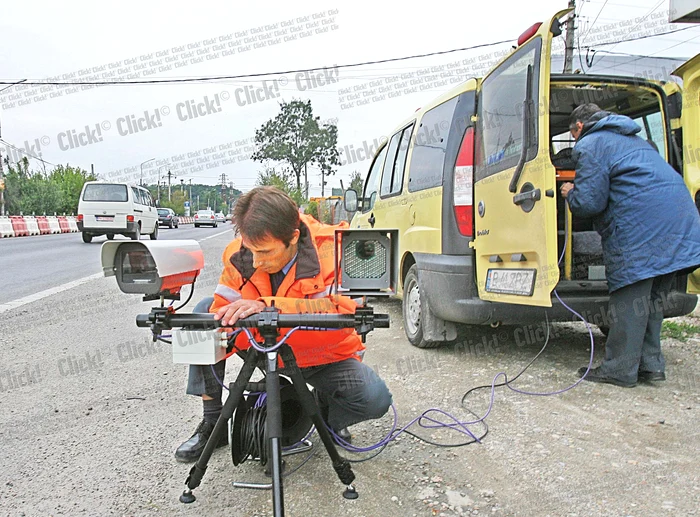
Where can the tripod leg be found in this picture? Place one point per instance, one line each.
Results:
(235, 394)
(274, 430)
(342, 466)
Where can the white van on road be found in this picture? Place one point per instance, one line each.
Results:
(107, 208)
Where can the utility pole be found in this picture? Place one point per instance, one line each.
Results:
(182, 185)
(569, 51)
(190, 190)
(169, 177)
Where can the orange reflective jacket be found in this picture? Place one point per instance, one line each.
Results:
(310, 278)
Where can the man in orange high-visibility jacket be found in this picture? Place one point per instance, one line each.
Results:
(283, 253)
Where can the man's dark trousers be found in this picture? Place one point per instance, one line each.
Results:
(634, 340)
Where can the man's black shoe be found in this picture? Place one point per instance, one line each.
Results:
(594, 375)
(192, 449)
(651, 376)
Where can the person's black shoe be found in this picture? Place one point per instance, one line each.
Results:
(651, 376)
(192, 449)
(594, 375)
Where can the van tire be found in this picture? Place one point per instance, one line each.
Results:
(87, 238)
(110, 236)
(413, 310)
(137, 234)
(154, 235)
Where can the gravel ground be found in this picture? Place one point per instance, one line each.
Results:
(95, 430)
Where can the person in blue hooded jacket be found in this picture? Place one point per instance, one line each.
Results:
(649, 228)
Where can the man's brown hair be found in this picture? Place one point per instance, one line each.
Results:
(266, 211)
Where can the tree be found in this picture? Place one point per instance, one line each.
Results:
(356, 182)
(296, 137)
(283, 181)
(38, 192)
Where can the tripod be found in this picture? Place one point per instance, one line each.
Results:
(268, 322)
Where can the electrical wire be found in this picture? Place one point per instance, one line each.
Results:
(24, 151)
(261, 74)
(507, 382)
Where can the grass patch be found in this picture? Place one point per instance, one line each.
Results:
(679, 331)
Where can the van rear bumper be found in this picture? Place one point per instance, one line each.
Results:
(130, 228)
(448, 283)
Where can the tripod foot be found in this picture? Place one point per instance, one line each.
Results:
(350, 493)
(187, 497)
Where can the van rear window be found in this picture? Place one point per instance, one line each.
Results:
(105, 192)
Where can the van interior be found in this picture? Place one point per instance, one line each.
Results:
(582, 265)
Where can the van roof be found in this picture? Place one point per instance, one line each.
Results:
(468, 85)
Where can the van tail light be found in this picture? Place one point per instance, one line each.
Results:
(80, 218)
(463, 185)
(212, 217)
(129, 218)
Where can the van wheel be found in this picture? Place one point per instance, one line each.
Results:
(154, 235)
(110, 236)
(412, 311)
(137, 234)
(87, 238)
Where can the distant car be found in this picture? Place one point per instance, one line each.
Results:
(168, 217)
(205, 217)
(229, 217)
(220, 217)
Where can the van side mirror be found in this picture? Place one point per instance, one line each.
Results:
(350, 200)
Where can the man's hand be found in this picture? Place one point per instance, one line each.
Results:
(565, 189)
(239, 309)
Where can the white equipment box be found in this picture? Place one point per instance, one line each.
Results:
(198, 346)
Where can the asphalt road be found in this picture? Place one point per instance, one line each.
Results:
(30, 265)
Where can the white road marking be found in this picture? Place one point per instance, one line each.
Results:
(215, 235)
(47, 292)
(4, 307)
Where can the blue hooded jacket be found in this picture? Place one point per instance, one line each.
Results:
(640, 206)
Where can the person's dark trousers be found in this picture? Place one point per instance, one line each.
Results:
(348, 391)
(634, 339)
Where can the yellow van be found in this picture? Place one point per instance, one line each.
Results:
(471, 181)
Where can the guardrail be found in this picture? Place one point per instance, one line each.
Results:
(25, 225)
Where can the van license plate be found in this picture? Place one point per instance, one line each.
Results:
(107, 218)
(520, 282)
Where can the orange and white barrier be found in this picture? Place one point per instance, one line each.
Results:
(72, 224)
(32, 225)
(6, 229)
(54, 225)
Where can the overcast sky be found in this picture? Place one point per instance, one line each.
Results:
(205, 129)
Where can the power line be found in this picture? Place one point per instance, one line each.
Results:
(634, 39)
(595, 20)
(228, 77)
(24, 152)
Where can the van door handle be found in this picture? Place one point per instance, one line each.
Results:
(139, 211)
(371, 220)
(530, 195)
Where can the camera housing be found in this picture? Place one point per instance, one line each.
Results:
(156, 269)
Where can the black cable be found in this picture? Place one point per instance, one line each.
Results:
(24, 151)
(631, 39)
(220, 78)
(191, 293)
(507, 382)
